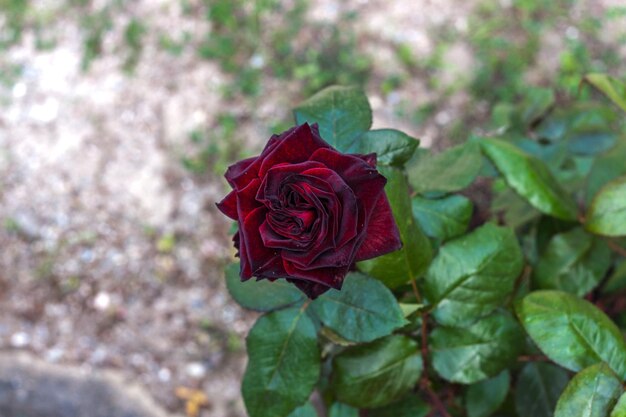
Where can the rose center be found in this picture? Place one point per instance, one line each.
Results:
(292, 223)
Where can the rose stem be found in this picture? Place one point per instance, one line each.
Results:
(616, 248)
(533, 358)
(425, 382)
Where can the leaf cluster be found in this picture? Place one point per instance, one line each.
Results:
(506, 297)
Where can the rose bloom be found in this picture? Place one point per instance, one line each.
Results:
(307, 212)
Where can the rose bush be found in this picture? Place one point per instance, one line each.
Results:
(307, 212)
(506, 298)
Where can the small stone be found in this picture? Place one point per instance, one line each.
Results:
(102, 301)
(195, 370)
(19, 90)
(165, 374)
(20, 340)
(54, 354)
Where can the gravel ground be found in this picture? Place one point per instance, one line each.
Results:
(112, 252)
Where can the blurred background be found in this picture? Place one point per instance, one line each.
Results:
(119, 117)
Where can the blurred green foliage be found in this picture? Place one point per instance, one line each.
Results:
(270, 36)
(260, 43)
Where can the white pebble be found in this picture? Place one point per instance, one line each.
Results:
(102, 301)
(195, 370)
(165, 374)
(20, 340)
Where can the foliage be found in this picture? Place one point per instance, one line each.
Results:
(508, 302)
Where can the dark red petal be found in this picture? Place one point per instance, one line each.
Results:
(257, 254)
(228, 205)
(369, 158)
(293, 148)
(271, 239)
(245, 271)
(242, 172)
(274, 177)
(332, 277)
(246, 199)
(239, 169)
(364, 180)
(315, 131)
(329, 258)
(347, 219)
(272, 270)
(382, 235)
(311, 289)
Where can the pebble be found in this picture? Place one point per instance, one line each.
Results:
(20, 340)
(164, 375)
(195, 370)
(55, 354)
(102, 301)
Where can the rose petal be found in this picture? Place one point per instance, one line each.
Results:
(272, 270)
(328, 208)
(382, 235)
(362, 178)
(228, 205)
(293, 148)
(346, 228)
(237, 170)
(369, 158)
(272, 181)
(246, 201)
(332, 277)
(311, 289)
(245, 271)
(329, 258)
(257, 255)
(271, 239)
(241, 173)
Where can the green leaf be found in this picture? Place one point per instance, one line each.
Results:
(473, 274)
(475, 352)
(335, 338)
(605, 168)
(620, 408)
(342, 410)
(451, 170)
(362, 311)
(572, 332)
(410, 262)
(538, 388)
(611, 87)
(378, 373)
(443, 218)
(592, 130)
(392, 147)
(260, 295)
(554, 126)
(514, 211)
(408, 308)
(607, 214)
(537, 103)
(283, 364)
(574, 261)
(484, 398)
(307, 410)
(342, 113)
(530, 178)
(409, 406)
(617, 280)
(591, 393)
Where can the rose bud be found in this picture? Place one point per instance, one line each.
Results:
(307, 212)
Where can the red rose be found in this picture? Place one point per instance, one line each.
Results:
(307, 212)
